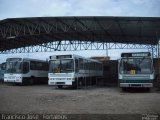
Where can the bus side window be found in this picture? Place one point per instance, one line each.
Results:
(32, 65)
(39, 66)
(3, 67)
(25, 67)
(45, 66)
(81, 64)
(76, 65)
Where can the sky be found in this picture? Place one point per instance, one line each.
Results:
(46, 8)
(41, 8)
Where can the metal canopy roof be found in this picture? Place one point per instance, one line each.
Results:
(22, 32)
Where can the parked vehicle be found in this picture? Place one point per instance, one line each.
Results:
(2, 71)
(25, 70)
(73, 70)
(136, 70)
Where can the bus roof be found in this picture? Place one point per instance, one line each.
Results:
(66, 56)
(23, 59)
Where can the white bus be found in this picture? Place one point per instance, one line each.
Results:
(136, 70)
(2, 71)
(73, 70)
(25, 71)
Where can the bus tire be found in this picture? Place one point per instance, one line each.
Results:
(22, 83)
(75, 85)
(19, 84)
(124, 89)
(31, 81)
(148, 89)
(79, 84)
(60, 86)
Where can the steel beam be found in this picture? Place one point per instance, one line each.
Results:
(67, 45)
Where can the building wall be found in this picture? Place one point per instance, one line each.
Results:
(110, 72)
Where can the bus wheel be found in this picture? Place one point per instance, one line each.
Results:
(124, 89)
(79, 84)
(60, 86)
(148, 89)
(18, 84)
(75, 84)
(31, 81)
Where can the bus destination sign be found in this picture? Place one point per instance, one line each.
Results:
(138, 54)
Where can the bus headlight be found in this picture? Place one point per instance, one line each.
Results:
(51, 78)
(18, 78)
(151, 76)
(120, 76)
(70, 78)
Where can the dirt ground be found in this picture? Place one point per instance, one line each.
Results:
(44, 99)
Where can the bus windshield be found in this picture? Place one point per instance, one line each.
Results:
(14, 67)
(17, 67)
(61, 66)
(136, 66)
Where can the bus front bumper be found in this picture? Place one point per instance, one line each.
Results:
(66, 81)
(13, 80)
(147, 85)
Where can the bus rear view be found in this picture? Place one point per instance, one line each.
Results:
(136, 70)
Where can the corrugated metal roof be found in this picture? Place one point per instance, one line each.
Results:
(21, 32)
